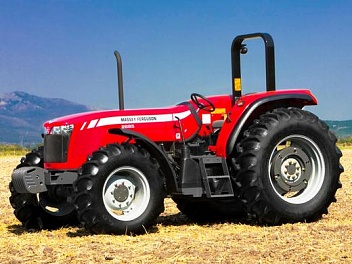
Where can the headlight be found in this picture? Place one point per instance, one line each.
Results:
(62, 130)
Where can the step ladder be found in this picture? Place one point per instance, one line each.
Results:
(216, 177)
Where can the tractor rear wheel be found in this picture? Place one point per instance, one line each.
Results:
(289, 167)
(45, 210)
(119, 190)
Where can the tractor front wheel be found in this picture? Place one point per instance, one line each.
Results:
(119, 190)
(47, 210)
(288, 167)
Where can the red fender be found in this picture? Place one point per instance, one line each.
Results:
(251, 106)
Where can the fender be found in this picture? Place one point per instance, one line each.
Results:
(156, 152)
(249, 107)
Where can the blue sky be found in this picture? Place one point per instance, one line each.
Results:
(172, 48)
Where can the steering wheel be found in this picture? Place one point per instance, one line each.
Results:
(207, 106)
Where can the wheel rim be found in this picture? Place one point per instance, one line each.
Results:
(126, 193)
(296, 169)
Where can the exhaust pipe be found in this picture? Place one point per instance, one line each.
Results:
(119, 80)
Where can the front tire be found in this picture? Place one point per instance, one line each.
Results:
(119, 190)
(289, 167)
(45, 210)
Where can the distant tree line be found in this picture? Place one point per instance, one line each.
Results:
(16, 149)
(345, 141)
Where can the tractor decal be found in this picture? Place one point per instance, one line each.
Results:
(121, 120)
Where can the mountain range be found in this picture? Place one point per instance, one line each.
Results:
(22, 116)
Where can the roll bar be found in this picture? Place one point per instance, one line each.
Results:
(237, 48)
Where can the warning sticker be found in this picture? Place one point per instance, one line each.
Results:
(237, 84)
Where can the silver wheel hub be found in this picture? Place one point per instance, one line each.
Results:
(291, 170)
(121, 194)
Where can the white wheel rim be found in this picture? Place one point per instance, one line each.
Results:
(305, 178)
(126, 193)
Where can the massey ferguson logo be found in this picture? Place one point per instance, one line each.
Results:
(139, 119)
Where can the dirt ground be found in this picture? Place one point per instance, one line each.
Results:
(177, 240)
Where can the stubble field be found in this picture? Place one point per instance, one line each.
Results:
(175, 239)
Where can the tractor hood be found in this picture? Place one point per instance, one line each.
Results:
(140, 120)
(120, 117)
(143, 119)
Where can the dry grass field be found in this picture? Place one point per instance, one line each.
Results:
(177, 240)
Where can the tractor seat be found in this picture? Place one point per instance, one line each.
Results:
(217, 124)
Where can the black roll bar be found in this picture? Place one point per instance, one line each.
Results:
(237, 48)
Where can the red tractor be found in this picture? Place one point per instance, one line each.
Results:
(220, 156)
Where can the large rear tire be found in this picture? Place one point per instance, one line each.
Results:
(289, 167)
(44, 210)
(119, 190)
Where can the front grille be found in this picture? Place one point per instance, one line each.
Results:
(56, 148)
